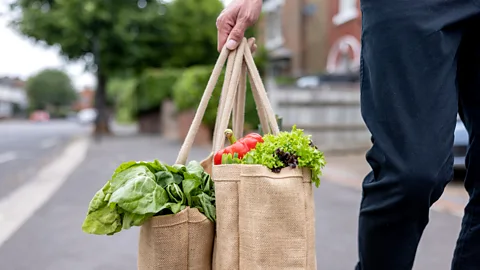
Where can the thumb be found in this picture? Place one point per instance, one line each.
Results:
(236, 35)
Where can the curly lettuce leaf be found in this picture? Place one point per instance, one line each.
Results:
(295, 142)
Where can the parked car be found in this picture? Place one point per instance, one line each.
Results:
(313, 81)
(460, 145)
(39, 116)
(86, 116)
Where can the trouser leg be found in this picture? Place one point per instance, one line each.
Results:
(467, 252)
(409, 103)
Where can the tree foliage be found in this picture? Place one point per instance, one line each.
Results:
(50, 88)
(123, 36)
(124, 33)
(113, 36)
(192, 32)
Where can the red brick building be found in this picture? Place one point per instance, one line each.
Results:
(344, 30)
(311, 36)
(294, 31)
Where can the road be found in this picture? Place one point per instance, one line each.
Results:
(49, 237)
(26, 146)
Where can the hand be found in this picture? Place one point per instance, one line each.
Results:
(234, 20)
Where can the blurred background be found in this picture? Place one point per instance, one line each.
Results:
(126, 77)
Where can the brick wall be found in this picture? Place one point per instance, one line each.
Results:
(304, 36)
(292, 34)
(315, 45)
(353, 27)
(350, 28)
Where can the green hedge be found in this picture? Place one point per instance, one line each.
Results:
(189, 89)
(121, 92)
(154, 86)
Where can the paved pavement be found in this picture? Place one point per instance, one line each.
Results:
(349, 171)
(51, 239)
(25, 147)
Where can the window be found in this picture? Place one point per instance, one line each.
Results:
(273, 31)
(347, 11)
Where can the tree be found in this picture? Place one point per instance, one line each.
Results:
(50, 88)
(192, 33)
(112, 36)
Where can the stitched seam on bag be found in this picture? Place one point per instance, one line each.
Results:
(188, 237)
(170, 225)
(272, 177)
(197, 221)
(306, 228)
(238, 226)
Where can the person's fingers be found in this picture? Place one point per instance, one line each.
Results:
(236, 35)
(251, 44)
(224, 29)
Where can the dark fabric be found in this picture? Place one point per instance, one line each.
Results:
(420, 61)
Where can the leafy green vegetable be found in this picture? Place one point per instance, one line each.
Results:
(288, 149)
(139, 193)
(101, 219)
(139, 190)
(229, 159)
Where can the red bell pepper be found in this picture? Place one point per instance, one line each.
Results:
(240, 147)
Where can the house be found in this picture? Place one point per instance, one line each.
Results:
(293, 32)
(311, 36)
(344, 30)
(13, 97)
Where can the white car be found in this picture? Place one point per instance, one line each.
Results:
(87, 116)
(308, 82)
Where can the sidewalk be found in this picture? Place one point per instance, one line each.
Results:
(55, 240)
(349, 171)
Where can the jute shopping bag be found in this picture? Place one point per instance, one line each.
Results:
(176, 242)
(265, 220)
(183, 241)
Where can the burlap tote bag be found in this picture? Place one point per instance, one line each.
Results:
(176, 242)
(183, 241)
(265, 220)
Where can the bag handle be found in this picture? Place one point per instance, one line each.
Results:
(264, 108)
(202, 107)
(239, 105)
(263, 104)
(238, 60)
(224, 92)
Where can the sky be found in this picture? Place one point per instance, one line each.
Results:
(20, 57)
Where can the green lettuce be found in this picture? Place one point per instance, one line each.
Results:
(288, 149)
(138, 191)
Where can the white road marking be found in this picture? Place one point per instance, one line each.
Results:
(7, 156)
(48, 143)
(21, 204)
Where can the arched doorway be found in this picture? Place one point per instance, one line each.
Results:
(344, 56)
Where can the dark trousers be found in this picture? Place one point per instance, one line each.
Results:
(420, 65)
